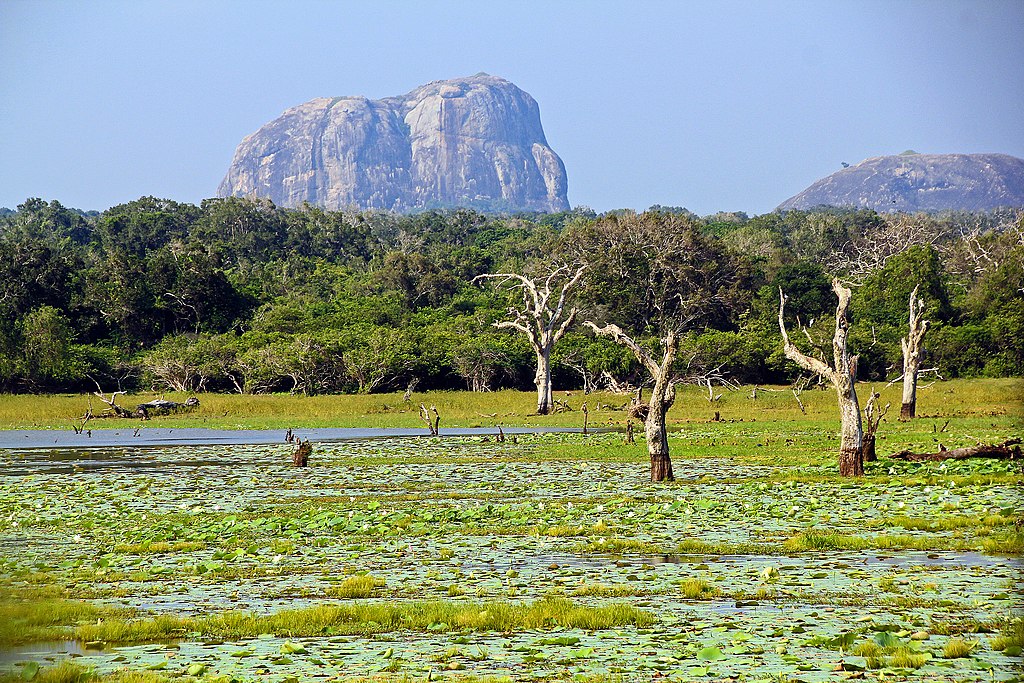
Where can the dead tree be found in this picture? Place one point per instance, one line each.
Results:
(798, 387)
(540, 319)
(841, 375)
(911, 345)
(1008, 450)
(872, 417)
(112, 407)
(432, 424)
(663, 395)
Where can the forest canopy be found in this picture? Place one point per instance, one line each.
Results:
(241, 295)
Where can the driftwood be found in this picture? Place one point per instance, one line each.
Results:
(300, 458)
(1008, 450)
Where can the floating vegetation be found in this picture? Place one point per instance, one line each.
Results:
(223, 562)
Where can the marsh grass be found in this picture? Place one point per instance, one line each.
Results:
(365, 619)
(356, 587)
(812, 540)
(698, 589)
(64, 672)
(37, 616)
(950, 523)
(958, 398)
(1012, 636)
(159, 547)
(70, 672)
(958, 648)
(604, 590)
(897, 655)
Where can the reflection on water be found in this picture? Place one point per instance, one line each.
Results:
(42, 651)
(53, 452)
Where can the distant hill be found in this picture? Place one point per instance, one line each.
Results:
(920, 182)
(474, 142)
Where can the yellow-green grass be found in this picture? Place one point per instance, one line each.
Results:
(159, 547)
(33, 616)
(71, 672)
(356, 587)
(369, 618)
(989, 398)
(958, 648)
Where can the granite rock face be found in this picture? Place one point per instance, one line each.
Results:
(920, 182)
(473, 141)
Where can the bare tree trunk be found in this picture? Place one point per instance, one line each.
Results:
(662, 396)
(656, 431)
(842, 375)
(543, 381)
(911, 345)
(873, 417)
(851, 440)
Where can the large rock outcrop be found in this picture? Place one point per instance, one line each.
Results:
(920, 182)
(473, 142)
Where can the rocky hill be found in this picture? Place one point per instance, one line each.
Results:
(473, 141)
(920, 182)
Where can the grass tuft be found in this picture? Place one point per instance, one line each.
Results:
(698, 589)
(958, 648)
(356, 587)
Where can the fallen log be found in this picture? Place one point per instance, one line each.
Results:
(1008, 450)
(162, 407)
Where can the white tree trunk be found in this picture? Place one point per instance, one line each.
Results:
(911, 345)
(842, 375)
(543, 381)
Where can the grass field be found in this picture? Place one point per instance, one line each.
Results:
(549, 558)
(998, 399)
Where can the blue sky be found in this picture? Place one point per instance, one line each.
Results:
(731, 106)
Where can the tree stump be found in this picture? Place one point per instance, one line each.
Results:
(300, 458)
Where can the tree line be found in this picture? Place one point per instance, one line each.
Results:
(241, 295)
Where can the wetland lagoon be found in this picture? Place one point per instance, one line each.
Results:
(137, 554)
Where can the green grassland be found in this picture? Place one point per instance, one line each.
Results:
(999, 400)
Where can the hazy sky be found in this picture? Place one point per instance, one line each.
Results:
(708, 105)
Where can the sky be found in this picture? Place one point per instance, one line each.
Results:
(714, 106)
